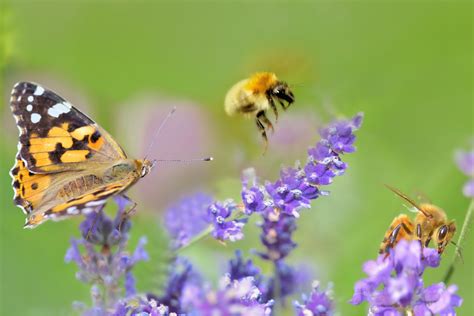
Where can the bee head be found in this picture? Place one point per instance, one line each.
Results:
(282, 91)
(443, 235)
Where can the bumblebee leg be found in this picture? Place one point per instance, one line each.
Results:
(285, 107)
(273, 106)
(261, 128)
(263, 118)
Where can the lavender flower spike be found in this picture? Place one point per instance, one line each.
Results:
(394, 285)
(102, 258)
(465, 161)
(233, 297)
(297, 186)
(319, 303)
(187, 218)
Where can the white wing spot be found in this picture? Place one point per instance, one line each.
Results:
(35, 118)
(72, 210)
(29, 107)
(87, 210)
(58, 109)
(39, 90)
(95, 203)
(30, 98)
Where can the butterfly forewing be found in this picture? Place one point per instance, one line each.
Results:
(54, 135)
(62, 157)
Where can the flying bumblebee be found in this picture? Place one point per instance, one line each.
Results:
(430, 223)
(254, 96)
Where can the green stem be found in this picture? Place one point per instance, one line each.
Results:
(276, 289)
(462, 236)
(197, 238)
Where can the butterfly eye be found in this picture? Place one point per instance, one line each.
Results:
(442, 232)
(144, 171)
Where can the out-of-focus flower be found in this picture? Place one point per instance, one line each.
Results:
(104, 260)
(181, 274)
(187, 218)
(193, 214)
(239, 268)
(465, 162)
(140, 305)
(318, 303)
(286, 280)
(233, 297)
(394, 285)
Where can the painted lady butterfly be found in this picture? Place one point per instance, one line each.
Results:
(66, 163)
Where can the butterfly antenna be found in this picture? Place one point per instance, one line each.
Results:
(185, 160)
(157, 132)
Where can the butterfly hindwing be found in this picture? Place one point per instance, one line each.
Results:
(59, 195)
(54, 135)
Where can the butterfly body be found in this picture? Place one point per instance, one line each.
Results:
(66, 164)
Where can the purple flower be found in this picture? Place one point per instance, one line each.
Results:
(319, 303)
(102, 258)
(239, 268)
(289, 279)
(220, 216)
(143, 306)
(192, 215)
(187, 218)
(233, 297)
(465, 161)
(181, 274)
(99, 229)
(277, 230)
(395, 284)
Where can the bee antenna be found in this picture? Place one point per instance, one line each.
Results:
(406, 198)
(158, 130)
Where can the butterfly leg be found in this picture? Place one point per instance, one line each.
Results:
(94, 222)
(128, 213)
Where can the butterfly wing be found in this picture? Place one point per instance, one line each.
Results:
(59, 195)
(54, 135)
(62, 155)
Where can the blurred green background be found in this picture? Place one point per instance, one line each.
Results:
(407, 65)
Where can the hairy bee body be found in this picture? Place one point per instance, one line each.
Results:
(254, 96)
(430, 223)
